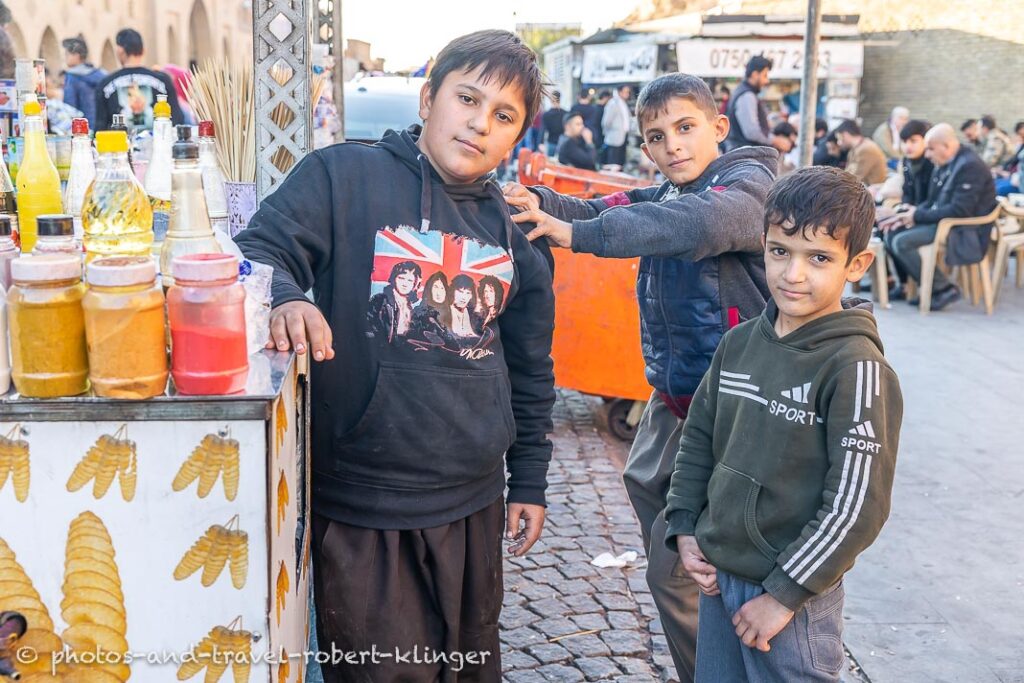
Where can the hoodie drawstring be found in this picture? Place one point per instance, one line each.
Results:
(425, 196)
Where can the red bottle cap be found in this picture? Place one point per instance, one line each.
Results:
(206, 129)
(79, 126)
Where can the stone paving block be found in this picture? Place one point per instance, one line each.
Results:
(635, 666)
(574, 587)
(578, 570)
(625, 642)
(537, 591)
(582, 604)
(559, 673)
(549, 653)
(589, 622)
(586, 646)
(556, 626)
(518, 660)
(547, 575)
(623, 620)
(638, 583)
(546, 560)
(615, 601)
(520, 638)
(515, 617)
(550, 607)
(526, 676)
(598, 669)
(610, 584)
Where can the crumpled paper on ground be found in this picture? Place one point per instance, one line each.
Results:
(606, 560)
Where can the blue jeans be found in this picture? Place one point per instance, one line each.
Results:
(1005, 188)
(808, 649)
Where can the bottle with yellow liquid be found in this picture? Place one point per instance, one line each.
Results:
(38, 180)
(116, 216)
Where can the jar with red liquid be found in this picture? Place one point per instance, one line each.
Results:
(206, 312)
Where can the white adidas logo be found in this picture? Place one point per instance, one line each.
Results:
(864, 429)
(799, 394)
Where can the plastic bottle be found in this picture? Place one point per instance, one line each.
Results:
(8, 200)
(83, 170)
(125, 328)
(44, 309)
(190, 231)
(38, 180)
(117, 216)
(206, 312)
(56, 235)
(5, 362)
(158, 172)
(213, 178)
(8, 251)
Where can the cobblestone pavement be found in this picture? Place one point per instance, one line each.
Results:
(564, 619)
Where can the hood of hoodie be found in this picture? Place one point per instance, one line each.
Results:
(856, 319)
(741, 156)
(90, 73)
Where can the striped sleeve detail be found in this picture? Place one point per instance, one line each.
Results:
(869, 385)
(845, 510)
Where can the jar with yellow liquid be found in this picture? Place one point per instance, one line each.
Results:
(117, 216)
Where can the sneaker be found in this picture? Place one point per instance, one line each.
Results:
(946, 297)
(897, 293)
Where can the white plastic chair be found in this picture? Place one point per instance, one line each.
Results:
(930, 254)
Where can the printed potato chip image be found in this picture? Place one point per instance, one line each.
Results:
(214, 455)
(222, 647)
(220, 545)
(110, 455)
(282, 499)
(14, 463)
(283, 586)
(18, 594)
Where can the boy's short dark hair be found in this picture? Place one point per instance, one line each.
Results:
(129, 40)
(822, 198)
(503, 56)
(604, 93)
(656, 95)
(988, 121)
(967, 124)
(785, 129)
(820, 125)
(849, 126)
(914, 127)
(1018, 126)
(76, 46)
(570, 116)
(758, 63)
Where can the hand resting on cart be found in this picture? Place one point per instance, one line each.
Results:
(298, 325)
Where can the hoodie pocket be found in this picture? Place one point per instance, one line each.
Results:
(737, 493)
(429, 427)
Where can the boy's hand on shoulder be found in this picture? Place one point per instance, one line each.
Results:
(559, 233)
(697, 566)
(531, 517)
(301, 325)
(517, 195)
(760, 620)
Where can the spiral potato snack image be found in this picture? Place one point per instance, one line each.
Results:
(214, 455)
(14, 463)
(283, 585)
(110, 455)
(223, 647)
(93, 604)
(280, 423)
(220, 545)
(19, 595)
(282, 500)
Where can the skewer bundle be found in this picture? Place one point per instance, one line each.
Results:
(223, 92)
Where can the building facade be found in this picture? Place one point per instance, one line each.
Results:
(174, 32)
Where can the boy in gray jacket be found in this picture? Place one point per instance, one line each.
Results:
(785, 469)
(701, 273)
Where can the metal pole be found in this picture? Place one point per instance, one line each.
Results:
(809, 83)
(338, 77)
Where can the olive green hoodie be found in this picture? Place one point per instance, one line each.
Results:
(785, 467)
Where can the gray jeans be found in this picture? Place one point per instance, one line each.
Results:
(647, 474)
(809, 648)
(903, 246)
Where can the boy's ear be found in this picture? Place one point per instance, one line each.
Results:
(764, 242)
(647, 153)
(425, 101)
(721, 127)
(859, 265)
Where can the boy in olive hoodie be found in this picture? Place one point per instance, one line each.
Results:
(786, 463)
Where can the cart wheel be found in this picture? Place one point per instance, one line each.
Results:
(617, 413)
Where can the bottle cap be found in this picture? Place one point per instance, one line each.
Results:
(111, 141)
(46, 268)
(55, 225)
(206, 129)
(5, 225)
(79, 126)
(184, 132)
(32, 107)
(119, 271)
(205, 267)
(161, 109)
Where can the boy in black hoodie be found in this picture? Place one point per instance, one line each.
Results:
(416, 416)
(785, 468)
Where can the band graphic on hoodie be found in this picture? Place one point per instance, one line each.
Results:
(437, 291)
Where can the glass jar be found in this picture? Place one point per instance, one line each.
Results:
(55, 234)
(125, 328)
(206, 311)
(48, 326)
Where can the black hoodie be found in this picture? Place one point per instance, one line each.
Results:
(430, 388)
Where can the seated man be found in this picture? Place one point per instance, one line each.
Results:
(998, 147)
(970, 130)
(828, 153)
(576, 146)
(866, 160)
(887, 135)
(784, 139)
(961, 186)
(1009, 177)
